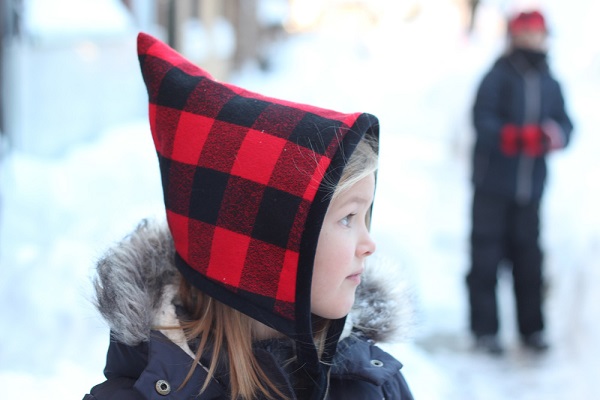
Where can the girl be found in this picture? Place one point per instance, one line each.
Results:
(245, 294)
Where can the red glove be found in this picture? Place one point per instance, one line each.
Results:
(533, 140)
(510, 139)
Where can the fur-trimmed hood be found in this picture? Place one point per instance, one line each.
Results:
(136, 281)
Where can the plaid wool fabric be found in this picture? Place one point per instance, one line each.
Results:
(245, 180)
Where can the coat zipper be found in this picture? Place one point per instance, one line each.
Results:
(532, 91)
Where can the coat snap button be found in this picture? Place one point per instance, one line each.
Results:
(376, 363)
(163, 387)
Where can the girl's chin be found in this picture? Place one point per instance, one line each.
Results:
(338, 312)
(354, 279)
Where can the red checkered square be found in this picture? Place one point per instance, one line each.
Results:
(192, 132)
(156, 138)
(208, 98)
(178, 185)
(240, 204)
(178, 225)
(262, 268)
(167, 119)
(278, 120)
(220, 150)
(228, 253)
(200, 242)
(286, 290)
(317, 177)
(303, 160)
(257, 156)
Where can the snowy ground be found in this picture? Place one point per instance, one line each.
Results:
(58, 214)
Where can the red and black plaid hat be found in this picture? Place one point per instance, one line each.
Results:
(527, 21)
(246, 181)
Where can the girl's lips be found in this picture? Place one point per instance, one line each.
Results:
(355, 277)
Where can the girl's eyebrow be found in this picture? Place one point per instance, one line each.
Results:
(358, 199)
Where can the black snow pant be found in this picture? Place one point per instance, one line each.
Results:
(504, 230)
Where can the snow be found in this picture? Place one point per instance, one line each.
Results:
(59, 213)
(59, 19)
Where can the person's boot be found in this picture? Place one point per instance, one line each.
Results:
(489, 344)
(535, 341)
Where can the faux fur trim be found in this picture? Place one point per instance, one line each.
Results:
(131, 281)
(384, 308)
(136, 284)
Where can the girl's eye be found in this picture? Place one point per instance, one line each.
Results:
(347, 219)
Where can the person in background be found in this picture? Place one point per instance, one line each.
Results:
(519, 117)
(245, 292)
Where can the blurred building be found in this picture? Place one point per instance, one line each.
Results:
(9, 28)
(69, 69)
(220, 35)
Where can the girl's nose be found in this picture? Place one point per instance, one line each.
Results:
(367, 246)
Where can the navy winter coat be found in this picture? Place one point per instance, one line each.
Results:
(152, 370)
(519, 89)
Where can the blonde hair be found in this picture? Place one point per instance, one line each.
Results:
(231, 332)
(362, 162)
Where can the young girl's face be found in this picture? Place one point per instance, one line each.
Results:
(344, 243)
(530, 39)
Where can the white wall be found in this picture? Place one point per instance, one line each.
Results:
(72, 74)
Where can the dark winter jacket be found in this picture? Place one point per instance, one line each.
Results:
(144, 363)
(520, 90)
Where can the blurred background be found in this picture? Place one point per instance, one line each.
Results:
(78, 169)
